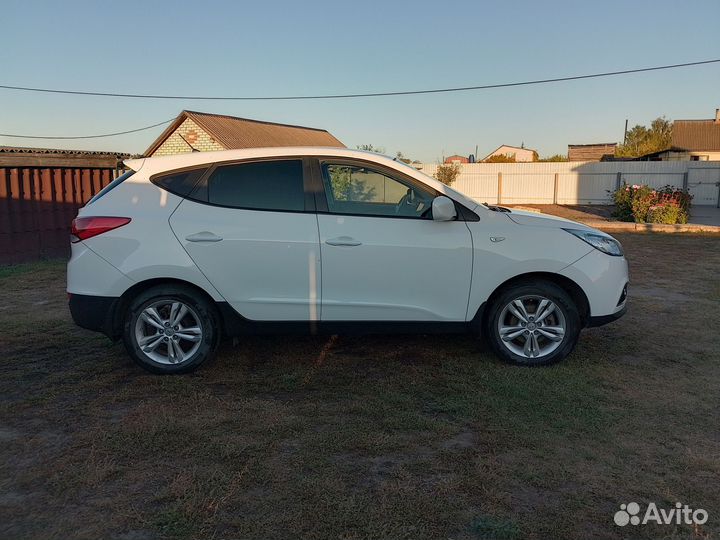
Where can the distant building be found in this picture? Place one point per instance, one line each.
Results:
(591, 152)
(520, 153)
(201, 132)
(692, 140)
(42, 158)
(457, 159)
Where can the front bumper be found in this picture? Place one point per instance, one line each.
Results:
(604, 280)
(95, 313)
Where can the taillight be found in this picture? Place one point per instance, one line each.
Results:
(87, 227)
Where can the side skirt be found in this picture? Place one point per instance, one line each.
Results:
(235, 324)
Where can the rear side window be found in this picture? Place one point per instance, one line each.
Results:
(180, 183)
(263, 185)
(112, 185)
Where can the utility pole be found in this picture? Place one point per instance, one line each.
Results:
(625, 135)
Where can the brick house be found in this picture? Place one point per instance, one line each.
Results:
(195, 131)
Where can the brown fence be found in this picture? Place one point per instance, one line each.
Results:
(38, 203)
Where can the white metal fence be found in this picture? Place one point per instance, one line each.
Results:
(579, 182)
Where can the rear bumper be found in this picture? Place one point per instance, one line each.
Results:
(95, 313)
(605, 319)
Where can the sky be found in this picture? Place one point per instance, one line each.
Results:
(326, 47)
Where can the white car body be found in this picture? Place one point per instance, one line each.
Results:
(323, 267)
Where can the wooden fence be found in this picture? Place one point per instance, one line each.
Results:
(40, 196)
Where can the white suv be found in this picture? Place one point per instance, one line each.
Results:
(183, 250)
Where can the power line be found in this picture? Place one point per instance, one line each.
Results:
(327, 96)
(360, 95)
(87, 136)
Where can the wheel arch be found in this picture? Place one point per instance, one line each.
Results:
(123, 302)
(568, 285)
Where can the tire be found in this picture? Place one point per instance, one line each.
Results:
(170, 348)
(549, 345)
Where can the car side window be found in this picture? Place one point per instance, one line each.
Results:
(180, 183)
(360, 190)
(261, 185)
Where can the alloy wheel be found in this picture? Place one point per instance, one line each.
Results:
(531, 326)
(168, 332)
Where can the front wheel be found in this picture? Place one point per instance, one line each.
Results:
(170, 329)
(532, 324)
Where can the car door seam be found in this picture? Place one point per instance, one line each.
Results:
(188, 253)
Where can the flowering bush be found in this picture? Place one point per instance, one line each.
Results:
(642, 204)
(665, 213)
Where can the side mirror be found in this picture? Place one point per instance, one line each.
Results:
(443, 209)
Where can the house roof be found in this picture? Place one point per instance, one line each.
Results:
(695, 135)
(59, 151)
(22, 156)
(233, 132)
(593, 145)
(457, 157)
(508, 146)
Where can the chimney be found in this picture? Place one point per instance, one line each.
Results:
(717, 116)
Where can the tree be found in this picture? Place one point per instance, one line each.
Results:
(555, 157)
(447, 173)
(501, 158)
(400, 157)
(371, 148)
(345, 187)
(642, 140)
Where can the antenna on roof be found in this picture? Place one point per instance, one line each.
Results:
(186, 142)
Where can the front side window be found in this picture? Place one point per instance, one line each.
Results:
(354, 189)
(262, 185)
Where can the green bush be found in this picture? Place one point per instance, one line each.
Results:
(447, 173)
(623, 203)
(644, 197)
(642, 204)
(665, 213)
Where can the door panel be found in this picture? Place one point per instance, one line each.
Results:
(265, 264)
(394, 269)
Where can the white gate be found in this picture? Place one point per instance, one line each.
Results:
(704, 186)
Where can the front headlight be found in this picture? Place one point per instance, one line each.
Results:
(606, 244)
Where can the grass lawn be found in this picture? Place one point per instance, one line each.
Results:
(366, 437)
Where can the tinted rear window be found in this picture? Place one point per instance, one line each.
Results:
(179, 183)
(263, 185)
(112, 185)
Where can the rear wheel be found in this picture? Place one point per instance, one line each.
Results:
(170, 329)
(532, 324)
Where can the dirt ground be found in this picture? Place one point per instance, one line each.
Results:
(366, 437)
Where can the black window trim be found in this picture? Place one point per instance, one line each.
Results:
(111, 185)
(313, 186)
(318, 186)
(309, 200)
(155, 178)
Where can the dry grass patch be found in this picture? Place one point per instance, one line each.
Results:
(365, 437)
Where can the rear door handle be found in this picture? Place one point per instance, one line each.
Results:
(343, 241)
(204, 236)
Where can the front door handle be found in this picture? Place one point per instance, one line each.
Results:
(204, 236)
(342, 241)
